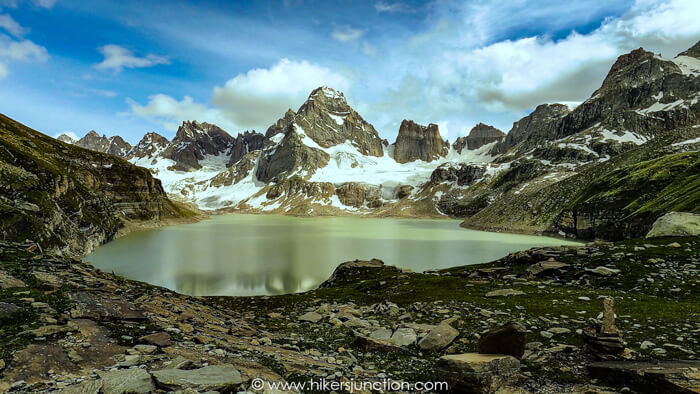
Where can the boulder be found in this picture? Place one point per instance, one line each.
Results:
(477, 373)
(212, 378)
(404, 336)
(161, 339)
(508, 339)
(7, 310)
(369, 344)
(438, 338)
(87, 387)
(650, 377)
(125, 381)
(676, 224)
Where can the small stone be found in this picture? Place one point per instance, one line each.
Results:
(646, 345)
(211, 378)
(382, 334)
(546, 334)
(146, 349)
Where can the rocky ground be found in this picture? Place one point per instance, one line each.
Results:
(68, 327)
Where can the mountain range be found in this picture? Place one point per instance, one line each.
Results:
(583, 171)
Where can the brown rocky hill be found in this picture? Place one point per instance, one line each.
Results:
(67, 199)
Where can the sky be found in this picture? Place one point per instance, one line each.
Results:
(130, 67)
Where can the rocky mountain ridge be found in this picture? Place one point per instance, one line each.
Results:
(325, 159)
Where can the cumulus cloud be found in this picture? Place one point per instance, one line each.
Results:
(260, 96)
(11, 26)
(117, 58)
(170, 112)
(347, 34)
(251, 100)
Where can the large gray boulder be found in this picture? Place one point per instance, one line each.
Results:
(676, 224)
(125, 381)
(211, 378)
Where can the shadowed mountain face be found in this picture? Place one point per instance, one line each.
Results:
(479, 135)
(69, 199)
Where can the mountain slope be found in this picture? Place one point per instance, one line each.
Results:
(68, 199)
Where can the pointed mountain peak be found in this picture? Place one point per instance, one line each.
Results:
(92, 134)
(66, 138)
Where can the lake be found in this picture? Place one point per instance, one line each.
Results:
(267, 254)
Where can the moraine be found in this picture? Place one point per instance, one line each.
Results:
(268, 254)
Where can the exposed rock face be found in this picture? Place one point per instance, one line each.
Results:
(291, 154)
(281, 125)
(327, 119)
(540, 125)
(418, 142)
(675, 224)
(245, 143)
(150, 145)
(194, 141)
(480, 135)
(69, 199)
(114, 145)
(355, 194)
(460, 173)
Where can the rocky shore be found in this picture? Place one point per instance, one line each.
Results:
(68, 327)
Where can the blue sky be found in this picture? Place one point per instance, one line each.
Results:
(129, 67)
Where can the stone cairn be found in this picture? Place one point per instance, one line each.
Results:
(603, 340)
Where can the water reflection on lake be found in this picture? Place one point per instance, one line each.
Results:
(265, 254)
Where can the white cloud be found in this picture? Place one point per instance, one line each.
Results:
(381, 6)
(24, 50)
(260, 96)
(170, 112)
(117, 58)
(11, 26)
(347, 34)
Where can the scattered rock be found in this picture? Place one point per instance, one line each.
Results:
(382, 334)
(603, 271)
(7, 281)
(508, 339)
(7, 310)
